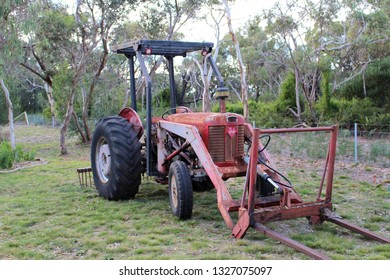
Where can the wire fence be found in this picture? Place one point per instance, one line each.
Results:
(357, 143)
(351, 148)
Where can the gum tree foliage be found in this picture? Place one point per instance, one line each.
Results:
(316, 36)
(77, 45)
(164, 20)
(50, 30)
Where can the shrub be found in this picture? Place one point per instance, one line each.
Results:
(6, 155)
(378, 149)
(230, 107)
(377, 84)
(9, 156)
(287, 97)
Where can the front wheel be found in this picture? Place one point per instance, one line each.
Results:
(180, 190)
(116, 159)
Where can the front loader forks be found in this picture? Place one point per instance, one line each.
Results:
(254, 211)
(291, 205)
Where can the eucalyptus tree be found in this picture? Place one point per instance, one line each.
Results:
(80, 40)
(164, 20)
(264, 59)
(49, 31)
(241, 65)
(10, 53)
(214, 15)
(339, 36)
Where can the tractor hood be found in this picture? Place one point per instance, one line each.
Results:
(203, 120)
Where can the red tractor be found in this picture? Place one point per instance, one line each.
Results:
(191, 150)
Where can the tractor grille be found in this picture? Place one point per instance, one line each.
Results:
(224, 146)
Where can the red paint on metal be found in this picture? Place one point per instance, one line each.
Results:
(254, 212)
(206, 122)
(329, 216)
(132, 117)
(191, 134)
(178, 151)
(243, 223)
(253, 172)
(290, 242)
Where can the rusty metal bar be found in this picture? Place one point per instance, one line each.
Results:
(176, 152)
(245, 189)
(85, 177)
(290, 242)
(300, 210)
(357, 229)
(253, 171)
(191, 134)
(330, 169)
(176, 146)
(298, 129)
(323, 175)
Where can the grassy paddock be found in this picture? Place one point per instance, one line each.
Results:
(45, 214)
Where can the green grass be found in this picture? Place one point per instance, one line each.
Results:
(45, 214)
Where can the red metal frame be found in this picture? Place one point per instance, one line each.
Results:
(255, 212)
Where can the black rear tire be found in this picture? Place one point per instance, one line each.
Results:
(116, 159)
(180, 190)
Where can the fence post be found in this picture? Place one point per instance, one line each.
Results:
(356, 144)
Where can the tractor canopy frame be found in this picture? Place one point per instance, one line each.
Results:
(168, 49)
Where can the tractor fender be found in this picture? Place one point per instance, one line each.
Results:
(133, 118)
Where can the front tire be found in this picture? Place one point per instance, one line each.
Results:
(180, 190)
(116, 159)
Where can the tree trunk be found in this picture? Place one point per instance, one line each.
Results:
(206, 102)
(87, 137)
(10, 114)
(244, 86)
(65, 125)
(50, 97)
(78, 127)
(364, 84)
(297, 97)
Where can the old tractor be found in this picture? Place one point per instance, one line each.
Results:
(189, 150)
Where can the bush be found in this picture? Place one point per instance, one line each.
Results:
(377, 85)
(266, 115)
(287, 97)
(230, 107)
(6, 155)
(9, 156)
(380, 149)
(361, 111)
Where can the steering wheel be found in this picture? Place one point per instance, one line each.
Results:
(179, 109)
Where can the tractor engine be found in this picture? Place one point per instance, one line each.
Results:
(222, 133)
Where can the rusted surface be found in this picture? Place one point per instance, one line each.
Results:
(85, 176)
(191, 134)
(277, 213)
(253, 172)
(132, 117)
(290, 242)
(243, 223)
(331, 217)
(176, 152)
(254, 212)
